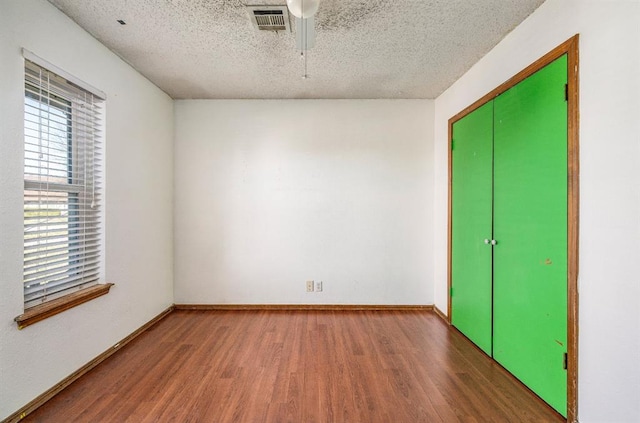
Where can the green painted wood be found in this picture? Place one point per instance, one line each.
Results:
(530, 226)
(471, 225)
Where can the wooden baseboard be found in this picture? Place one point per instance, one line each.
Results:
(441, 314)
(50, 393)
(318, 307)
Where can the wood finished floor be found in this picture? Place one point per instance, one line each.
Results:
(297, 366)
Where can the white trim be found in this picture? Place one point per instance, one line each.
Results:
(66, 75)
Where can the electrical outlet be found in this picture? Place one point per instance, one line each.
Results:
(319, 286)
(309, 286)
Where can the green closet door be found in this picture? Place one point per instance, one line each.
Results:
(530, 226)
(471, 224)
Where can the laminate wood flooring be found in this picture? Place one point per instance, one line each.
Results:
(297, 366)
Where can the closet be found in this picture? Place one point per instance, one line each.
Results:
(509, 229)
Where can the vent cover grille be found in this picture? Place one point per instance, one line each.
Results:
(269, 21)
(269, 18)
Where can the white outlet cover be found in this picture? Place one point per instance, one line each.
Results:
(319, 286)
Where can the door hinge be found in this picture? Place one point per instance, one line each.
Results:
(451, 292)
(566, 92)
(452, 143)
(565, 361)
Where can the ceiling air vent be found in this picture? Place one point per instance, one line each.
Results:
(269, 18)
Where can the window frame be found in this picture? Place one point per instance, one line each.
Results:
(79, 162)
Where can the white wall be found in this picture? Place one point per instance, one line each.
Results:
(270, 194)
(139, 181)
(609, 339)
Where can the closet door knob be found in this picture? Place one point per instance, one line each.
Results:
(494, 242)
(486, 241)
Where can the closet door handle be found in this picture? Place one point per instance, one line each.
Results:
(494, 242)
(486, 241)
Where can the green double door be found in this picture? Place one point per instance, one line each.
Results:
(509, 230)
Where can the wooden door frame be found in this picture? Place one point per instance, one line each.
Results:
(570, 48)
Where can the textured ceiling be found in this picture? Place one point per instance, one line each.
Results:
(364, 48)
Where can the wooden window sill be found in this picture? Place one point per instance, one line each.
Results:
(51, 308)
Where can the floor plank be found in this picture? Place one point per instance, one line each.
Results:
(297, 366)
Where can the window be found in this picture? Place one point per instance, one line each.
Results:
(62, 156)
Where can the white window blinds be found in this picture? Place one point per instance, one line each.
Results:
(62, 156)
